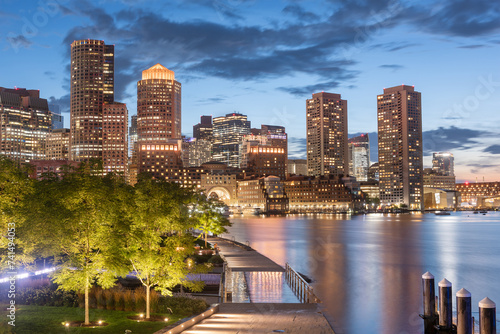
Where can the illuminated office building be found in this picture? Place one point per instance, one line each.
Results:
(400, 147)
(228, 132)
(25, 122)
(359, 157)
(92, 86)
(204, 129)
(57, 145)
(327, 151)
(443, 163)
(114, 138)
(158, 106)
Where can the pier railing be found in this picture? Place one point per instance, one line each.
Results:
(299, 286)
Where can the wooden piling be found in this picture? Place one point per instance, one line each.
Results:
(429, 315)
(445, 305)
(464, 312)
(487, 317)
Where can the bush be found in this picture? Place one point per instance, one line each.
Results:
(101, 300)
(119, 301)
(154, 300)
(140, 299)
(109, 295)
(128, 300)
(47, 296)
(216, 259)
(201, 258)
(184, 306)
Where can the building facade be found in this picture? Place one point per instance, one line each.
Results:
(115, 138)
(265, 193)
(200, 151)
(443, 163)
(297, 167)
(158, 106)
(478, 194)
(204, 130)
(400, 147)
(92, 85)
(57, 146)
(317, 194)
(359, 157)
(228, 132)
(327, 150)
(25, 122)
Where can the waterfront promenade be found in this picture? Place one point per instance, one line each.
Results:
(262, 302)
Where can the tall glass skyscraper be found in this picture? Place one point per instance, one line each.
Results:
(228, 132)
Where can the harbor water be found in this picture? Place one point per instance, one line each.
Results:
(367, 269)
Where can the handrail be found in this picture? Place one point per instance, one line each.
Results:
(299, 286)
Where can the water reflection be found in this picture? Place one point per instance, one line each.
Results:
(367, 269)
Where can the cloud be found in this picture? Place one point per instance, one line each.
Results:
(393, 67)
(466, 18)
(299, 13)
(233, 51)
(493, 149)
(297, 148)
(449, 139)
(19, 41)
(62, 104)
(473, 46)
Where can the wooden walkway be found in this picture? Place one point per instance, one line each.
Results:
(240, 259)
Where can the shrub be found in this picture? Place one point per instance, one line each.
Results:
(119, 301)
(110, 299)
(181, 305)
(101, 299)
(128, 300)
(140, 299)
(154, 299)
(216, 259)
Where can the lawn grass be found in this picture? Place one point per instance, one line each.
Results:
(31, 319)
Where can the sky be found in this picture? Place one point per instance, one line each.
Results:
(265, 58)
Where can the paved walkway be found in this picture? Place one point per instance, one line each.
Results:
(264, 318)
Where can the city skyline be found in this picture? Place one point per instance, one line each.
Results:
(241, 56)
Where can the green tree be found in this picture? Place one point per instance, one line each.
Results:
(208, 218)
(15, 186)
(157, 246)
(76, 219)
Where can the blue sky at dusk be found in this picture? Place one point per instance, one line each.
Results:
(265, 58)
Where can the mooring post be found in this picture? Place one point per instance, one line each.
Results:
(464, 312)
(487, 317)
(445, 305)
(429, 315)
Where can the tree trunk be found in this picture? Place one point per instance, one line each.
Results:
(205, 239)
(148, 291)
(87, 318)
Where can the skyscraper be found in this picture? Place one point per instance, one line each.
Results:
(443, 163)
(158, 106)
(359, 157)
(400, 147)
(204, 129)
(327, 151)
(114, 138)
(228, 136)
(57, 147)
(92, 85)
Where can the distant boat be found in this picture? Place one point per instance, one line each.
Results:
(476, 212)
(483, 211)
(442, 213)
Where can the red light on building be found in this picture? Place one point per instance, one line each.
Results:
(466, 183)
